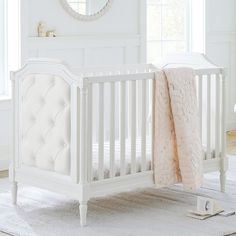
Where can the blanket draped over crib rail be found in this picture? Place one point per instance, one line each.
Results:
(177, 143)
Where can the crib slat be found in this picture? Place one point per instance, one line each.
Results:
(223, 125)
(112, 129)
(83, 138)
(133, 125)
(101, 132)
(122, 126)
(208, 117)
(199, 79)
(90, 132)
(217, 116)
(152, 112)
(143, 122)
(74, 128)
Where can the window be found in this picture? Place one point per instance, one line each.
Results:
(168, 28)
(9, 42)
(3, 51)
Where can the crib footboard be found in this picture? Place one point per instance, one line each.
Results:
(45, 95)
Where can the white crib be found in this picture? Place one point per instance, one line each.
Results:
(88, 132)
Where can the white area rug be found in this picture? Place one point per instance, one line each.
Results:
(145, 212)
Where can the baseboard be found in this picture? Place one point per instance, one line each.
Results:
(4, 174)
(5, 157)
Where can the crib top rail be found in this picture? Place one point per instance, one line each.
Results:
(148, 75)
(197, 61)
(102, 74)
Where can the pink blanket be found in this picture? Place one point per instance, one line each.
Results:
(177, 143)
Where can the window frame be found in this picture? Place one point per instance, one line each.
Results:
(188, 28)
(4, 77)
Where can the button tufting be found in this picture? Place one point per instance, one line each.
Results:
(33, 119)
(45, 106)
(33, 80)
(65, 145)
(53, 81)
(52, 122)
(63, 103)
(42, 100)
(42, 140)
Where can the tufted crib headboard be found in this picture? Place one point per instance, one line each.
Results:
(44, 92)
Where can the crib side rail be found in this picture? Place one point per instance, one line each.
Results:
(130, 102)
(211, 103)
(131, 93)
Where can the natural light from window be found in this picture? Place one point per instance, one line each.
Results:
(3, 55)
(9, 42)
(171, 26)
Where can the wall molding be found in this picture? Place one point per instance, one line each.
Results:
(216, 40)
(221, 32)
(5, 103)
(231, 126)
(5, 157)
(82, 50)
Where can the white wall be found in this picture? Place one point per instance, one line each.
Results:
(5, 133)
(221, 46)
(121, 18)
(115, 38)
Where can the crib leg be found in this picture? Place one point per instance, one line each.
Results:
(83, 213)
(14, 192)
(222, 181)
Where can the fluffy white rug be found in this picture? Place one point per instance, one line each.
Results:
(145, 212)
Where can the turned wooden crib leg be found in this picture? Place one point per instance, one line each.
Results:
(222, 180)
(83, 213)
(14, 192)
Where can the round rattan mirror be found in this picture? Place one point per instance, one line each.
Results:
(86, 9)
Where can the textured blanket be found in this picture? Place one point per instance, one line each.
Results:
(177, 143)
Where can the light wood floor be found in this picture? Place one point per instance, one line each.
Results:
(3, 174)
(231, 142)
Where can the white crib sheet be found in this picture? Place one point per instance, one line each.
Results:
(117, 157)
(127, 157)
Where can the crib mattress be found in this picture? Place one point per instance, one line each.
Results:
(117, 157)
(127, 157)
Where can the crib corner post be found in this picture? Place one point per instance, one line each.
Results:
(14, 192)
(15, 134)
(83, 213)
(83, 135)
(222, 181)
(223, 160)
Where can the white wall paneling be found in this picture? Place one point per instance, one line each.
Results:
(86, 50)
(221, 48)
(116, 38)
(5, 134)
